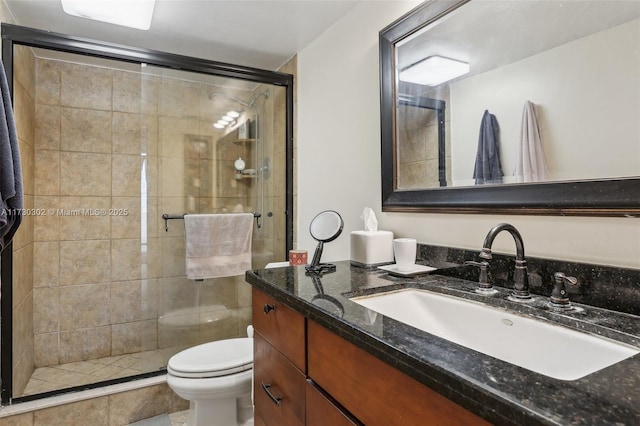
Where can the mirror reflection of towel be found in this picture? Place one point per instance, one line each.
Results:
(217, 245)
(488, 168)
(530, 163)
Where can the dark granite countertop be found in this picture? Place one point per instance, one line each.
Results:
(495, 390)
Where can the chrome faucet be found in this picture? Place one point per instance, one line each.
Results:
(520, 275)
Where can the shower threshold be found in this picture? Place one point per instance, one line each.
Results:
(45, 379)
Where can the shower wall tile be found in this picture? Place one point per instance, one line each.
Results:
(173, 255)
(46, 227)
(126, 221)
(25, 116)
(244, 293)
(47, 172)
(178, 92)
(134, 300)
(127, 91)
(151, 266)
(82, 345)
(85, 262)
(83, 218)
(127, 133)
(85, 174)
(48, 82)
(172, 133)
(150, 88)
(24, 70)
(85, 130)
(149, 134)
(47, 126)
(22, 373)
(84, 306)
(94, 412)
(172, 177)
(23, 273)
(152, 179)
(132, 337)
(126, 175)
(27, 161)
(46, 313)
(154, 218)
(85, 87)
(46, 263)
(22, 329)
(125, 259)
(177, 293)
(47, 349)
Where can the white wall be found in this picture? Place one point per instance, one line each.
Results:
(586, 94)
(339, 159)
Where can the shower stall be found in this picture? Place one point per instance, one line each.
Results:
(117, 144)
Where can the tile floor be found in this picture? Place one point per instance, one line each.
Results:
(179, 418)
(62, 376)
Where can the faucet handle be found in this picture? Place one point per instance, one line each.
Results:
(559, 297)
(483, 279)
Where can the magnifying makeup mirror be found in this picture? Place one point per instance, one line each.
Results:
(325, 227)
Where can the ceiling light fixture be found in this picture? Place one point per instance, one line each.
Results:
(233, 114)
(129, 13)
(434, 70)
(218, 126)
(227, 118)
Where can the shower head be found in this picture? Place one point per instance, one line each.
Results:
(214, 95)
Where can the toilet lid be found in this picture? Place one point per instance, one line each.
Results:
(213, 359)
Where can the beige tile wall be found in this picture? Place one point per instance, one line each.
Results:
(23, 243)
(100, 282)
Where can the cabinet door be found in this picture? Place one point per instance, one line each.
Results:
(278, 386)
(281, 326)
(323, 412)
(372, 390)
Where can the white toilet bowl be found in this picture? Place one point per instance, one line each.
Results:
(216, 379)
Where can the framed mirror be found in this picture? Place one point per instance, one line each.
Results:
(512, 107)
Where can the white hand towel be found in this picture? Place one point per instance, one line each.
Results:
(217, 245)
(530, 163)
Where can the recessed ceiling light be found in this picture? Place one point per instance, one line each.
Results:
(129, 13)
(434, 70)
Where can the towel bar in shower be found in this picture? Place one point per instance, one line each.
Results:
(168, 217)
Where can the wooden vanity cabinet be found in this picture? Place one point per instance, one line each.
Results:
(305, 374)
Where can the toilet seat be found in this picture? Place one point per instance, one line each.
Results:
(214, 359)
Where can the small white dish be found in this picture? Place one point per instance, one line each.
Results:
(415, 270)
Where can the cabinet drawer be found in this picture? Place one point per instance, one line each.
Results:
(281, 326)
(372, 390)
(322, 412)
(278, 386)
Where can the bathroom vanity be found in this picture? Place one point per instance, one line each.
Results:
(320, 358)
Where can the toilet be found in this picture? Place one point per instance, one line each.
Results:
(216, 379)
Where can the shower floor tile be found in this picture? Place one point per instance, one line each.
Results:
(45, 379)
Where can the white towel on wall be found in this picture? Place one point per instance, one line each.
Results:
(217, 245)
(530, 163)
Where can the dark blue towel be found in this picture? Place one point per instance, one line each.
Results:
(10, 170)
(488, 168)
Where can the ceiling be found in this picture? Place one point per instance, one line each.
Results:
(256, 33)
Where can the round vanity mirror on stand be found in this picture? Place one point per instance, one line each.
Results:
(325, 227)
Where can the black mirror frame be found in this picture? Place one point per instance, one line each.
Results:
(600, 197)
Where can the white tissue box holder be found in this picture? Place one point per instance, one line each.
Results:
(371, 248)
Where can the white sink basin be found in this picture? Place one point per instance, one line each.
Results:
(536, 345)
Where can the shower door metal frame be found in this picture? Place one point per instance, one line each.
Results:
(18, 35)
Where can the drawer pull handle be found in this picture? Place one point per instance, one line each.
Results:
(276, 400)
(268, 308)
